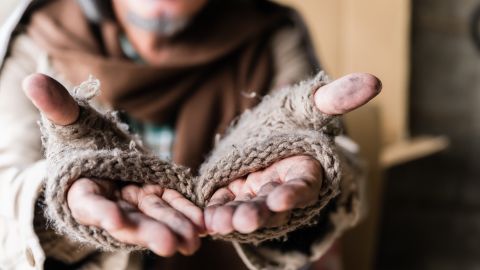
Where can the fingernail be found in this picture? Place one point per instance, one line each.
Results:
(184, 251)
(202, 231)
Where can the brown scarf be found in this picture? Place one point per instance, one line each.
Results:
(200, 85)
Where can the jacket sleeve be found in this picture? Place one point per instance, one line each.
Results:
(294, 62)
(24, 241)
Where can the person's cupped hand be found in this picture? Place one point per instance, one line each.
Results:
(149, 216)
(266, 198)
(166, 222)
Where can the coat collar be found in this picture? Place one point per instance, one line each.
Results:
(8, 28)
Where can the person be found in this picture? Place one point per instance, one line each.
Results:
(180, 72)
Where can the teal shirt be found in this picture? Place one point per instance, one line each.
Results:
(158, 138)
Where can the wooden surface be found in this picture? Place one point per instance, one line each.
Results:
(366, 36)
(415, 148)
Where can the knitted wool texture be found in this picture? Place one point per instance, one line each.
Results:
(99, 146)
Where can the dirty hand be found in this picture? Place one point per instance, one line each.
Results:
(156, 218)
(266, 198)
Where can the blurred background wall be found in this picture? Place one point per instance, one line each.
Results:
(424, 203)
(432, 206)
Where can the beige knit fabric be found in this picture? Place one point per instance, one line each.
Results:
(99, 146)
(284, 124)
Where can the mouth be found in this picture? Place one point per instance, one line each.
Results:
(162, 24)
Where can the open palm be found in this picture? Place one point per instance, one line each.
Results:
(266, 198)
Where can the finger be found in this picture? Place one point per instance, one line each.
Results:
(251, 215)
(221, 219)
(221, 196)
(266, 188)
(296, 193)
(256, 180)
(51, 98)
(175, 200)
(274, 219)
(125, 223)
(148, 233)
(236, 186)
(301, 167)
(208, 214)
(89, 207)
(130, 194)
(133, 193)
(347, 93)
(254, 214)
(155, 207)
(186, 207)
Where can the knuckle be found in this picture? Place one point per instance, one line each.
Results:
(147, 201)
(153, 189)
(177, 217)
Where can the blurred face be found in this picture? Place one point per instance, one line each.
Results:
(163, 17)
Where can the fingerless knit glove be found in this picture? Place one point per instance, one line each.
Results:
(285, 124)
(98, 146)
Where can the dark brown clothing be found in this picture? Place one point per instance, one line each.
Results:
(200, 80)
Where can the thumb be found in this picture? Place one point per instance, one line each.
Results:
(51, 98)
(347, 93)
